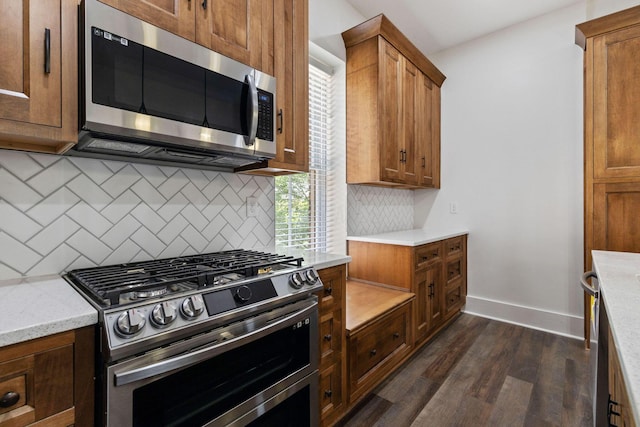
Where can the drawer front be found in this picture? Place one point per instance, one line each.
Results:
(16, 383)
(330, 336)
(330, 390)
(454, 299)
(427, 254)
(454, 269)
(454, 246)
(380, 340)
(333, 279)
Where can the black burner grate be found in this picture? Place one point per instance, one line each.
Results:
(106, 284)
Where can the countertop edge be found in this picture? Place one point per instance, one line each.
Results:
(415, 237)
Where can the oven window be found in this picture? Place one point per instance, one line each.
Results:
(201, 393)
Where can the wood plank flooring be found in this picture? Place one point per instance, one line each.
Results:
(481, 372)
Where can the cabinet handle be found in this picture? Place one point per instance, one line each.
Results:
(424, 162)
(373, 352)
(47, 51)
(327, 337)
(328, 291)
(280, 119)
(9, 399)
(204, 4)
(328, 393)
(396, 335)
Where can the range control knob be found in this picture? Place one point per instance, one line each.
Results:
(192, 307)
(129, 323)
(242, 293)
(163, 314)
(312, 276)
(296, 280)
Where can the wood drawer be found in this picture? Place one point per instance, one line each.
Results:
(454, 246)
(330, 390)
(427, 254)
(330, 337)
(454, 269)
(333, 279)
(377, 349)
(454, 298)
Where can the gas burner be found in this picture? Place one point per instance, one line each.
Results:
(150, 293)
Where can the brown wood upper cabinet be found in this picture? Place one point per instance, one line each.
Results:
(290, 49)
(230, 27)
(611, 135)
(38, 79)
(393, 109)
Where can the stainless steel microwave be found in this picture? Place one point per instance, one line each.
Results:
(154, 96)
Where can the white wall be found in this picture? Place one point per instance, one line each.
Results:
(512, 161)
(327, 20)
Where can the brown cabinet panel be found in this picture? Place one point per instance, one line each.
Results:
(391, 119)
(331, 391)
(330, 337)
(38, 87)
(616, 85)
(53, 381)
(232, 28)
(175, 16)
(428, 254)
(616, 223)
(429, 289)
(333, 279)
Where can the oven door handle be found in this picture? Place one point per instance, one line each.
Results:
(192, 358)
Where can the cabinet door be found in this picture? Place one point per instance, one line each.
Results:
(291, 69)
(38, 81)
(410, 87)
(175, 16)
(428, 132)
(616, 104)
(391, 73)
(616, 223)
(429, 300)
(232, 28)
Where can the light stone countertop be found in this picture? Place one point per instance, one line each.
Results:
(40, 306)
(322, 260)
(619, 281)
(414, 237)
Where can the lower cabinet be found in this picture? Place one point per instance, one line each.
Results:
(619, 408)
(48, 381)
(377, 349)
(331, 301)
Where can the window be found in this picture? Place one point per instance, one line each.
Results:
(310, 207)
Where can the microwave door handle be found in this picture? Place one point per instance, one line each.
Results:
(252, 113)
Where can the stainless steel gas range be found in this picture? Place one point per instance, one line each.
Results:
(226, 338)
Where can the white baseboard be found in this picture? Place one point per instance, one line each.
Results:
(556, 323)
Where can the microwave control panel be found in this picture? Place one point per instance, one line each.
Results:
(265, 116)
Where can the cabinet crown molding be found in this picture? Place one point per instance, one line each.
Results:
(381, 26)
(605, 24)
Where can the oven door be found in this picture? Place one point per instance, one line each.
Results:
(258, 371)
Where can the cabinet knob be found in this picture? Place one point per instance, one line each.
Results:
(328, 291)
(328, 393)
(373, 352)
(327, 337)
(9, 399)
(396, 335)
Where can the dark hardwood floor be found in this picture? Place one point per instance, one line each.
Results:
(481, 372)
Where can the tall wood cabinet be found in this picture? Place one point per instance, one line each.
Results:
(611, 135)
(38, 75)
(393, 109)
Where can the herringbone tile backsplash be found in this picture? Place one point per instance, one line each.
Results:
(373, 210)
(58, 213)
